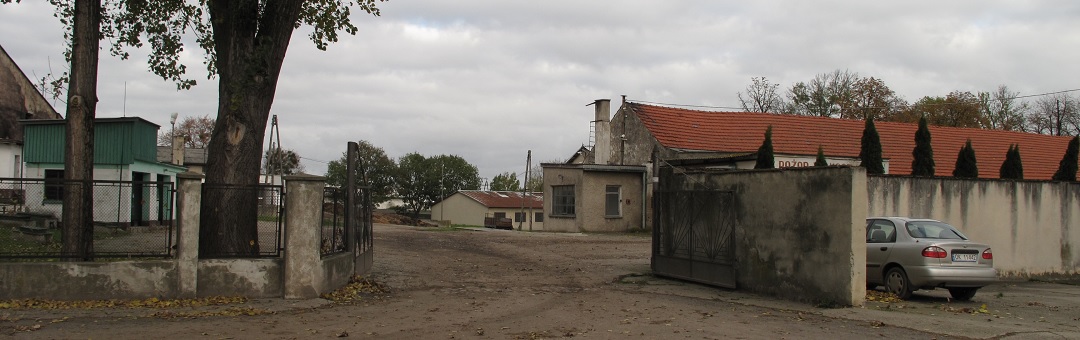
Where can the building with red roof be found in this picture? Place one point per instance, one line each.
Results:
(470, 207)
(638, 129)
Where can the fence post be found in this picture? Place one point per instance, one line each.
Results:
(188, 205)
(303, 212)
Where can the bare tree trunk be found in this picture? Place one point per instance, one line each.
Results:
(250, 52)
(77, 234)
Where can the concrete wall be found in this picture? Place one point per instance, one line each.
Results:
(1032, 226)
(240, 277)
(799, 232)
(75, 281)
(9, 168)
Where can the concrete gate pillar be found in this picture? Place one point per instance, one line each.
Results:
(188, 205)
(303, 219)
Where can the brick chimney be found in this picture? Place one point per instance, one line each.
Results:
(602, 148)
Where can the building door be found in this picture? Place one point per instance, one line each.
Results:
(138, 198)
(164, 200)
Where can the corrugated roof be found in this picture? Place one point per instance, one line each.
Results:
(801, 135)
(505, 199)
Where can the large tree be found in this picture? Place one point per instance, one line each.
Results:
(505, 182)
(761, 96)
(376, 172)
(1067, 167)
(196, 132)
(922, 162)
(870, 150)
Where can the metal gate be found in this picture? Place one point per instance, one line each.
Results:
(693, 232)
(359, 214)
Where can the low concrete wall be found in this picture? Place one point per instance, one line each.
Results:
(261, 278)
(799, 232)
(336, 272)
(1032, 226)
(76, 280)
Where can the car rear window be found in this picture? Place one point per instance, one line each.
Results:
(935, 230)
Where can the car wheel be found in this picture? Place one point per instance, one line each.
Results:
(962, 294)
(896, 282)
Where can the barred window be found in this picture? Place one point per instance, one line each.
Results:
(539, 217)
(562, 200)
(519, 216)
(612, 207)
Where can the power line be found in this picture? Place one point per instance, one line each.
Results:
(314, 160)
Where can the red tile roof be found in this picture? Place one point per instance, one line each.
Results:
(505, 199)
(800, 135)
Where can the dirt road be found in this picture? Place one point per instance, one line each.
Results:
(496, 285)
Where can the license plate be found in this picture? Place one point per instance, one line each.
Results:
(965, 258)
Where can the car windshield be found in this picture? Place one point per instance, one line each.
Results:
(932, 229)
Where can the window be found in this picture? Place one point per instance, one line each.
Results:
(54, 188)
(612, 208)
(500, 215)
(519, 216)
(880, 231)
(539, 217)
(562, 200)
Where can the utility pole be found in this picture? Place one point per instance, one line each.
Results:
(525, 187)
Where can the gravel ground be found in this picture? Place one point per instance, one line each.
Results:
(463, 284)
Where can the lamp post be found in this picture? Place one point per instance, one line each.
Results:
(172, 136)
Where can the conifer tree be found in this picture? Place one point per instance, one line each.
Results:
(870, 152)
(765, 152)
(1067, 168)
(922, 163)
(1012, 167)
(820, 161)
(966, 166)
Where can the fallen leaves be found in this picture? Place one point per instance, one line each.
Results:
(876, 296)
(357, 288)
(144, 303)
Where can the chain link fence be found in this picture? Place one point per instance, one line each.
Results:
(130, 219)
(258, 206)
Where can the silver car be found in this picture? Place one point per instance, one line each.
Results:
(905, 254)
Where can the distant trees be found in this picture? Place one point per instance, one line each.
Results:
(376, 172)
(966, 165)
(1012, 167)
(278, 161)
(1057, 115)
(870, 151)
(1067, 168)
(196, 132)
(506, 181)
(922, 163)
(823, 95)
(765, 158)
(761, 96)
(1001, 109)
(422, 181)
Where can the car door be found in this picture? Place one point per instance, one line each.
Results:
(880, 239)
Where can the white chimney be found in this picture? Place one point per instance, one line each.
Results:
(602, 148)
(178, 150)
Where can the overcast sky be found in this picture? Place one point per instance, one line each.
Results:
(489, 80)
